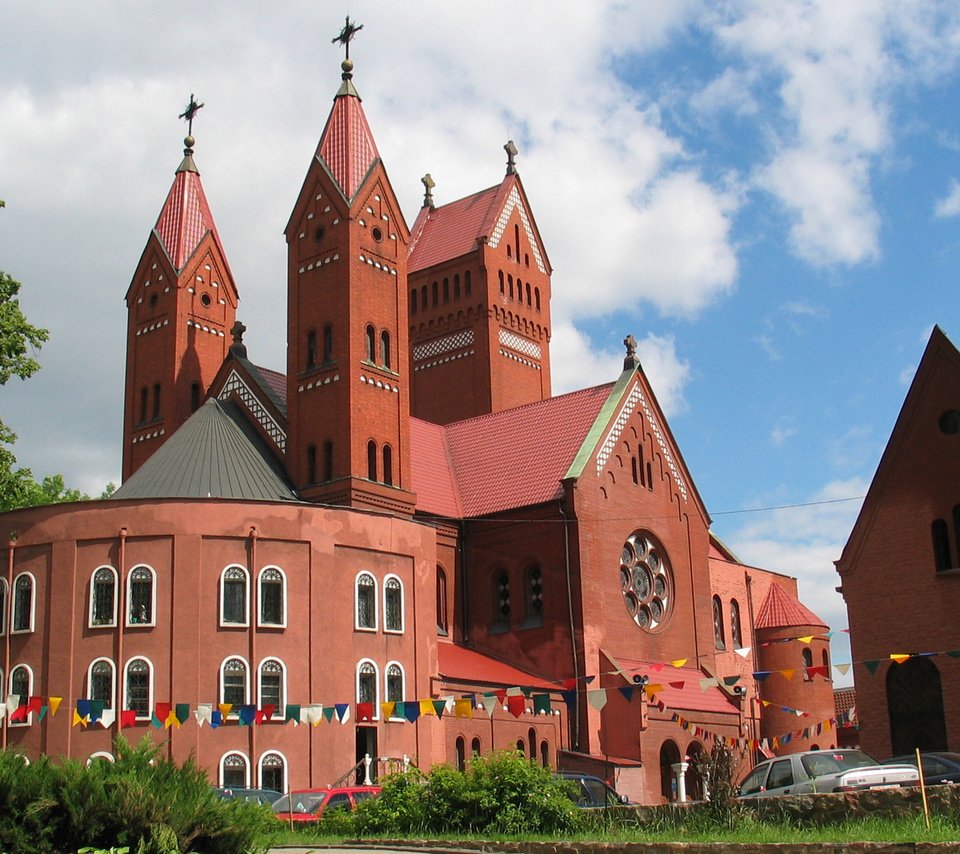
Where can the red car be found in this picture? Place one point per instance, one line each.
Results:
(309, 805)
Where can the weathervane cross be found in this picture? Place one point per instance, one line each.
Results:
(189, 113)
(346, 35)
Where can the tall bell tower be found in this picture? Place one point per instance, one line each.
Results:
(348, 395)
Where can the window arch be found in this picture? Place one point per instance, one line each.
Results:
(806, 655)
(736, 633)
(385, 348)
(388, 465)
(394, 683)
(436, 294)
(271, 686)
(413, 301)
(138, 687)
(536, 298)
(446, 289)
(273, 596)
(3, 606)
(441, 602)
(24, 586)
(941, 545)
(327, 344)
(103, 596)
(273, 771)
(423, 297)
(475, 746)
(233, 596)
(234, 685)
(371, 339)
(461, 748)
(534, 615)
(718, 635)
(102, 755)
(21, 683)
(825, 661)
(371, 460)
(467, 284)
(234, 771)
(545, 753)
(368, 688)
(392, 604)
(141, 596)
(100, 682)
(311, 349)
(365, 602)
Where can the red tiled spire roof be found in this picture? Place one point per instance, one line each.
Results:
(346, 145)
(781, 610)
(185, 217)
(450, 231)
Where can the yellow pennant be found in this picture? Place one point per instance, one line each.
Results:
(899, 657)
(54, 704)
(788, 674)
(427, 708)
(806, 639)
(463, 707)
(679, 662)
(388, 709)
(225, 709)
(77, 719)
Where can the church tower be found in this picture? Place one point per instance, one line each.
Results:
(479, 303)
(348, 393)
(181, 304)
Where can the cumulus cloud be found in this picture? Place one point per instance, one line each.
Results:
(949, 205)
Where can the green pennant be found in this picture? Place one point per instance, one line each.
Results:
(872, 666)
(292, 713)
(439, 705)
(328, 713)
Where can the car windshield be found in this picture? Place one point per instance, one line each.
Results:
(821, 764)
(304, 803)
(361, 796)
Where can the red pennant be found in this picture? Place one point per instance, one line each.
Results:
(568, 684)
(128, 717)
(516, 705)
(365, 712)
(501, 695)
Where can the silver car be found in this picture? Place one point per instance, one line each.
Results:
(824, 771)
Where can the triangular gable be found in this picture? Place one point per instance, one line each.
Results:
(940, 361)
(514, 199)
(241, 380)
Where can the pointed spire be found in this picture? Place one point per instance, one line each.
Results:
(630, 362)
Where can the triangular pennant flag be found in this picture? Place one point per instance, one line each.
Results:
(225, 709)
(83, 711)
(743, 651)
(411, 710)
(597, 698)
(291, 712)
(439, 706)
(788, 674)
(328, 713)
(568, 684)
(107, 719)
(570, 698)
(490, 703)
(516, 705)
(463, 708)
(627, 691)
(388, 709)
(730, 681)
(819, 670)
(182, 711)
(364, 712)
(677, 685)
(35, 703)
(259, 716)
(203, 713)
(588, 679)
(842, 669)
(269, 710)
(501, 695)
(656, 668)
(872, 666)
(55, 705)
(171, 720)
(216, 718)
(248, 714)
(710, 682)
(78, 718)
(343, 712)
(899, 657)
(541, 704)
(427, 708)
(679, 662)
(760, 675)
(128, 718)
(806, 638)
(13, 702)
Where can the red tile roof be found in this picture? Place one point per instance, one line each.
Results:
(185, 218)
(509, 459)
(447, 232)
(780, 610)
(844, 699)
(459, 664)
(679, 687)
(347, 145)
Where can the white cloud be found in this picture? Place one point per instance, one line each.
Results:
(949, 205)
(784, 429)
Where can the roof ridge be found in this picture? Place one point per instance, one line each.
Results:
(544, 402)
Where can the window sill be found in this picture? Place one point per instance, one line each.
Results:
(103, 625)
(368, 629)
(393, 631)
(231, 625)
(532, 623)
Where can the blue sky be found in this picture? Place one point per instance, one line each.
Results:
(765, 194)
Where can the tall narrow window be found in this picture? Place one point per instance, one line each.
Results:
(366, 604)
(456, 286)
(233, 682)
(516, 240)
(446, 289)
(436, 294)
(413, 301)
(3, 607)
(140, 596)
(423, 297)
(367, 684)
(467, 284)
(475, 747)
(536, 298)
(21, 684)
(233, 771)
(371, 339)
(806, 656)
(233, 595)
(271, 686)
(273, 772)
(385, 348)
(371, 460)
(143, 404)
(825, 661)
(194, 396)
(23, 603)
(735, 632)
(529, 300)
(501, 600)
(441, 602)
(392, 604)
(311, 463)
(395, 688)
(461, 748)
(388, 465)
(941, 545)
(101, 682)
(718, 635)
(328, 460)
(138, 686)
(327, 344)
(500, 277)
(311, 349)
(103, 597)
(271, 597)
(156, 401)
(534, 615)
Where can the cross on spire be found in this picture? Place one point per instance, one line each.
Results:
(189, 113)
(428, 185)
(511, 150)
(346, 35)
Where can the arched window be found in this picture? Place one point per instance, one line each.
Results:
(388, 465)
(534, 615)
(371, 460)
(536, 298)
(273, 771)
(311, 463)
(366, 601)
(328, 460)
(273, 597)
(807, 657)
(941, 545)
(270, 690)
(100, 682)
(311, 349)
(395, 687)
(501, 600)
(423, 297)
(367, 688)
(413, 301)
(371, 341)
(510, 285)
(385, 348)
(521, 747)
(23, 587)
(529, 300)
(143, 404)
(446, 289)
(234, 771)
(103, 597)
(718, 636)
(736, 635)
(3, 607)
(392, 604)
(194, 396)
(327, 344)
(545, 754)
(233, 596)
(441, 602)
(156, 401)
(21, 684)
(516, 240)
(825, 661)
(500, 277)
(456, 286)
(436, 294)
(532, 741)
(233, 683)
(475, 747)
(461, 748)
(141, 592)
(138, 687)
(467, 284)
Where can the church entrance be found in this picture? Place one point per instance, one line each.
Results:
(366, 746)
(915, 707)
(669, 756)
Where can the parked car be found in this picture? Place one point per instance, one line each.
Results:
(937, 767)
(589, 791)
(824, 771)
(309, 805)
(257, 796)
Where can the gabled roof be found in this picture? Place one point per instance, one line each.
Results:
(679, 687)
(185, 217)
(456, 663)
(215, 454)
(347, 147)
(509, 459)
(782, 610)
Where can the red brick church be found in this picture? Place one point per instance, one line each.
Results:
(404, 545)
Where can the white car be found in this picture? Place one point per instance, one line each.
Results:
(824, 771)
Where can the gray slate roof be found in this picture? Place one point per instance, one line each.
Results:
(215, 454)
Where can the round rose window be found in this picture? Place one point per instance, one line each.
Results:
(646, 581)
